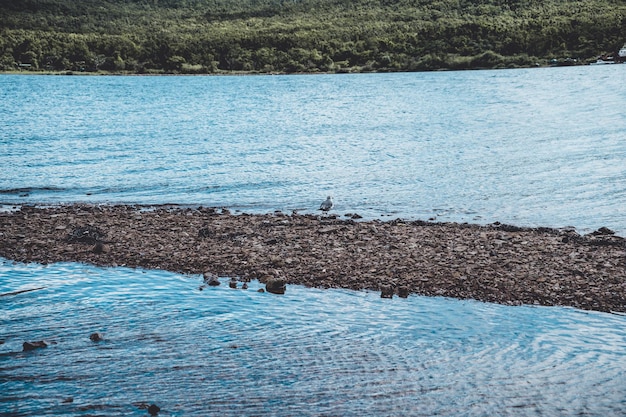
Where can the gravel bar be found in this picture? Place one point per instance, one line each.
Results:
(493, 263)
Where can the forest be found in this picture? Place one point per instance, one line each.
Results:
(296, 36)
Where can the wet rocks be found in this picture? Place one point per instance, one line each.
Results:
(28, 346)
(403, 291)
(211, 279)
(96, 337)
(232, 283)
(603, 231)
(386, 291)
(496, 263)
(276, 285)
(154, 409)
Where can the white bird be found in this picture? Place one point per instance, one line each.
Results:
(327, 204)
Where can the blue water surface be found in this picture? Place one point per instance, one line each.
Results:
(536, 147)
(532, 147)
(311, 352)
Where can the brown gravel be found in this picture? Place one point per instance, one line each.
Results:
(494, 263)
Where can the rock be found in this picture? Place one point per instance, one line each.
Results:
(204, 232)
(403, 292)
(211, 279)
(386, 291)
(244, 286)
(99, 248)
(68, 400)
(28, 346)
(603, 231)
(154, 409)
(232, 283)
(497, 260)
(275, 286)
(85, 234)
(96, 337)
(260, 290)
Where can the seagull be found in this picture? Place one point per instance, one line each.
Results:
(327, 205)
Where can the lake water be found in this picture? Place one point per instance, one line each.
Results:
(310, 352)
(537, 147)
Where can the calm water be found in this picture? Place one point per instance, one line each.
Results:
(539, 147)
(310, 352)
(529, 147)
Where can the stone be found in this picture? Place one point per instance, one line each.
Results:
(603, 231)
(276, 286)
(232, 283)
(154, 409)
(98, 248)
(211, 279)
(96, 337)
(85, 234)
(403, 292)
(499, 263)
(386, 291)
(28, 346)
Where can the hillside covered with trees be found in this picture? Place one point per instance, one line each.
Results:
(214, 36)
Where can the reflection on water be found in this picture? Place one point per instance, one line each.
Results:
(310, 352)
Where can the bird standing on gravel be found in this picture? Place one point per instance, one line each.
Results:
(327, 204)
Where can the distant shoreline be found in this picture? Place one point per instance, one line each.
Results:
(493, 263)
(254, 73)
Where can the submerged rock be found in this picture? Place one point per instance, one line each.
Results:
(96, 337)
(154, 409)
(232, 283)
(28, 346)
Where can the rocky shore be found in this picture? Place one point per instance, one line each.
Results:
(493, 263)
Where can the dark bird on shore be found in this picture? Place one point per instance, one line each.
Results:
(327, 204)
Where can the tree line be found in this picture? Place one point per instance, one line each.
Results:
(215, 36)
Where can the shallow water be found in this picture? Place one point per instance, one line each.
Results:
(540, 147)
(310, 352)
(531, 147)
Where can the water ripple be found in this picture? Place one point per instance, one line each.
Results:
(510, 146)
(309, 352)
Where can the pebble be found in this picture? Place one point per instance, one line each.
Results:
(495, 262)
